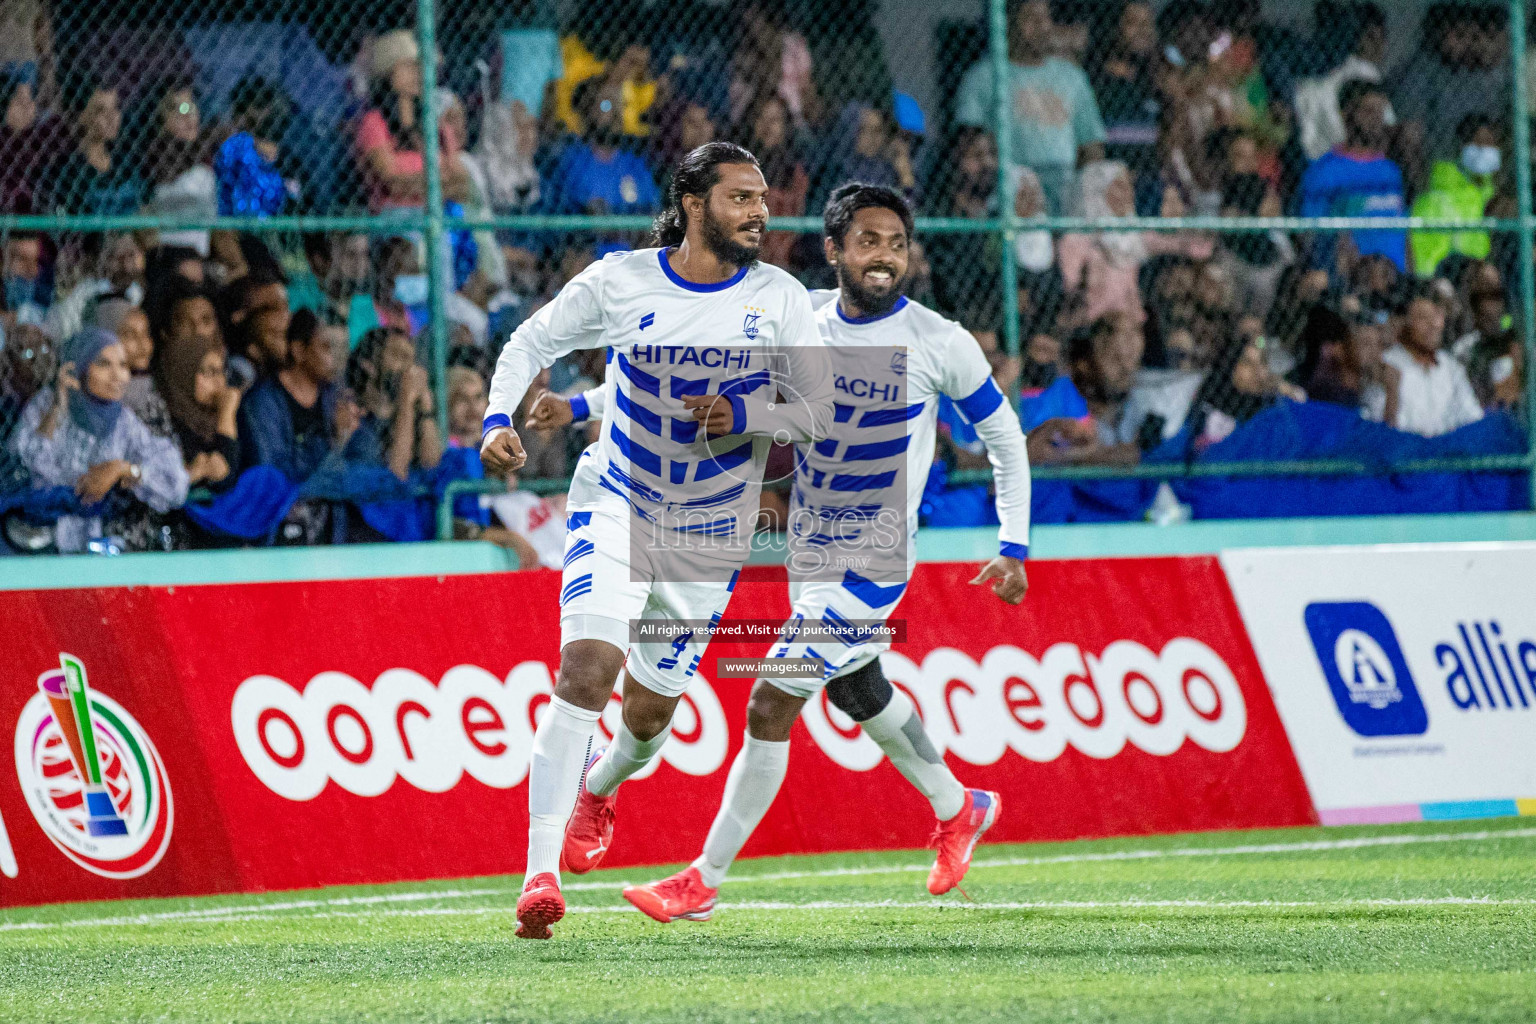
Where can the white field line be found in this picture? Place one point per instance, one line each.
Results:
(768, 905)
(255, 911)
(259, 909)
(1320, 845)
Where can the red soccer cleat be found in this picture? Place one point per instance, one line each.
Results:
(684, 895)
(589, 833)
(540, 906)
(956, 838)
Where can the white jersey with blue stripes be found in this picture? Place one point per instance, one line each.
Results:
(888, 373)
(752, 337)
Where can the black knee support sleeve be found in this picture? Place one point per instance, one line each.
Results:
(862, 694)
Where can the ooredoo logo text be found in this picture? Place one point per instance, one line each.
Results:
(430, 735)
(91, 776)
(1094, 703)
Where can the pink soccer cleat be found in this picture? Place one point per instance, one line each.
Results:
(589, 833)
(684, 895)
(540, 906)
(956, 838)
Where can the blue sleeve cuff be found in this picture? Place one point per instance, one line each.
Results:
(1010, 550)
(738, 414)
(496, 419)
(579, 409)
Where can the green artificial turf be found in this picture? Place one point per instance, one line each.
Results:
(1380, 931)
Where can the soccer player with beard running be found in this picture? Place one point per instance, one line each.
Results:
(891, 358)
(712, 357)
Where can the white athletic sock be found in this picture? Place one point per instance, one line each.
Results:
(625, 756)
(756, 775)
(560, 749)
(899, 731)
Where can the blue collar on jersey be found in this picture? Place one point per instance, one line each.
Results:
(901, 303)
(672, 275)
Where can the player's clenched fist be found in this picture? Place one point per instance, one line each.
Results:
(502, 452)
(549, 411)
(1009, 580)
(713, 412)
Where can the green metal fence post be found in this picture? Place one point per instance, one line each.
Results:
(1002, 110)
(1527, 224)
(438, 266)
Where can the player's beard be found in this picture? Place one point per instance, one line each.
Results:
(724, 247)
(870, 301)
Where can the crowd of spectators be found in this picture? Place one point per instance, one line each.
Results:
(142, 370)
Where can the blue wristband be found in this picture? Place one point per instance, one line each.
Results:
(493, 421)
(1010, 550)
(579, 409)
(738, 414)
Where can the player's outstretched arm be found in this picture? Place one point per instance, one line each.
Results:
(805, 412)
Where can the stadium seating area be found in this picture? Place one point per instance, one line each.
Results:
(279, 390)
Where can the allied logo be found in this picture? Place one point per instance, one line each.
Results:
(899, 363)
(91, 776)
(1365, 668)
(749, 325)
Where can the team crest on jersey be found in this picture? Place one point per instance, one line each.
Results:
(749, 325)
(899, 363)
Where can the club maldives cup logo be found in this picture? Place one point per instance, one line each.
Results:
(94, 781)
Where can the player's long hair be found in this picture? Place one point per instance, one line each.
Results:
(698, 172)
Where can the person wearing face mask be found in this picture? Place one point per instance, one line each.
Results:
(79, 435)
(1459, 189)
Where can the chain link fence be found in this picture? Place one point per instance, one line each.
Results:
(1196, 239)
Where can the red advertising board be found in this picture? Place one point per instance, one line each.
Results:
(274, 735)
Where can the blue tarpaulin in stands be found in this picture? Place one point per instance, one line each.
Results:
(1286, 431)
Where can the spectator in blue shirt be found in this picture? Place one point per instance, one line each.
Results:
(296, 418)
(250, 183)
(1357, 180)
(596, 175)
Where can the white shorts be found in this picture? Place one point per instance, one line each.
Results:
(603, 590)
(855, 598)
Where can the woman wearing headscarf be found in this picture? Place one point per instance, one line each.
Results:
(129, 323)
(30, 141)
(202, 408)
(80, 435)
(1104, 266)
